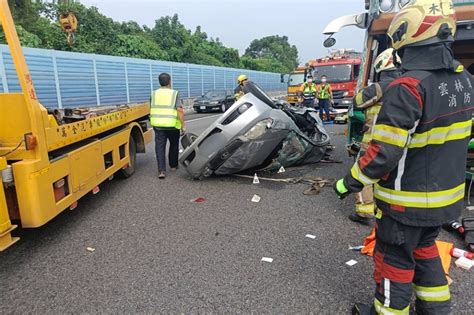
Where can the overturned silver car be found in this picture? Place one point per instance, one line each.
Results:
(256, 133)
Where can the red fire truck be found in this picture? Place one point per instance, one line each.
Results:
(342, 70)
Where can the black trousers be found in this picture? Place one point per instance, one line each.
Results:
(324, 108)
(162, 136)
(406, 260)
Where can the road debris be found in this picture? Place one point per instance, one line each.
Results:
(356, 248)
(90, 249)
(256, 198)
(255, 179)
(351, 262)
(315, 188)
(310, 236)
(198, 200)
(281, 170)
(267, 259)
(464, 263)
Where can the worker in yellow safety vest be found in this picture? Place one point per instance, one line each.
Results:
(239, 90)
(167, 120)
(308, 92)
(324, 95)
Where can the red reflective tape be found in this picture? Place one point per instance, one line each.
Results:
(397, 274)
(429, 252)
(378, 262)
(426, 24)
(410, 84)
(369, 155)
(397, 208)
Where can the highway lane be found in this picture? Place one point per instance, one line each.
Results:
(157, 252)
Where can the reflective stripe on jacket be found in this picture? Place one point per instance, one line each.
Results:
(163, 112)
(324, 92)
(308, 90)
(417, 155)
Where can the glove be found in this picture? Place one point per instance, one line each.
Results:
(341, 190)
(183, 131)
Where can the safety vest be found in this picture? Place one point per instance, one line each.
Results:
(163, 112)
(309, 90)
(323, 93)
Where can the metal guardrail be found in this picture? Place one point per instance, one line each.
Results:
(67, 79)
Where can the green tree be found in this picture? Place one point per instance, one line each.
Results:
(274, 48)
(38, 26)
(138, 46)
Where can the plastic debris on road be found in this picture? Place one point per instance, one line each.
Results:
(351, 262)
(90, 249)
(464, 263)
(356, 248)
(281, 170)
(256, 198)
(267, 259)
(310, 236)
(255, 179)
(198, 199)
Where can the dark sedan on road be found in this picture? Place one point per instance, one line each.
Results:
(214, 100)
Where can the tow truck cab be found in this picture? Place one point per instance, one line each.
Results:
(376, 21)
(295, 79)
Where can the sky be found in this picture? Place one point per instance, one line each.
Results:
(237, 22)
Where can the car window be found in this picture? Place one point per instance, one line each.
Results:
(214, 94)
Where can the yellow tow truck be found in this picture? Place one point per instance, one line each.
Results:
(48, 162)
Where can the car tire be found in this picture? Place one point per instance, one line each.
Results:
(132, 149)
(198, 111)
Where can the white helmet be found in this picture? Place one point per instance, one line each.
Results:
(385, 61)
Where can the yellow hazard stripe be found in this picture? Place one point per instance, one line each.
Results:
(434, 199)
(433, 294)
(359, 98)
(381, 309)
(365, 209)
(391, 135)
(359, 176)
(441, 135)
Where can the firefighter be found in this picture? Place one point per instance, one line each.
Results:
(239, 90)
(416, 160)
(167, 120)
(370, 101)
(324, 95)
(307, 92)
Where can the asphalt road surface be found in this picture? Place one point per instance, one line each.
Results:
(157, 252)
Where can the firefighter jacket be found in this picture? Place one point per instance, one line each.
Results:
(417, 156)
(370, 101)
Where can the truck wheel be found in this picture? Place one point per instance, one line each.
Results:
(127, 172)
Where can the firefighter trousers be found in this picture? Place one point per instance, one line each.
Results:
(406, 260)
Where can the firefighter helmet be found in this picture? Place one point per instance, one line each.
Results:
(242, 78)
(385, 61)
(423, 22)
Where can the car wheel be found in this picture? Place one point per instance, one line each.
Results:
(223, 108)
(130, 169)
(198, 111)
